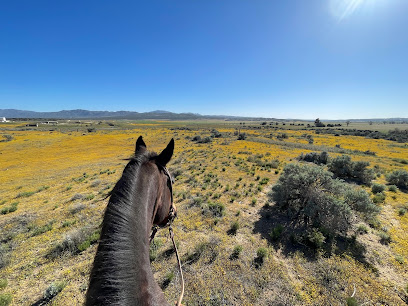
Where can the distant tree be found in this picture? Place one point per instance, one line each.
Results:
(348, 122)
(241, 136)
(318, 123)
(370, 122)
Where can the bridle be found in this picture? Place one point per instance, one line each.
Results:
(168, 221)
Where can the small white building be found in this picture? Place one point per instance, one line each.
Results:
(4, 120)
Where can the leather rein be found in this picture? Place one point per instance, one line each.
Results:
(168, 222)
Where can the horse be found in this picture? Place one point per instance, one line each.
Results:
(142, 198)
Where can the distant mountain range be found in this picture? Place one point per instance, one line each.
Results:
(158, 114)
(86, 114)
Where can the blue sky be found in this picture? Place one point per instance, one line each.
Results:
(332, 59)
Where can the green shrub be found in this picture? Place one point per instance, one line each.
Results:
(379, 198)
(217, 209)
(359, 200)
(362, 229)
(5, 299)
(310, 194)
(5, 249)
(351, 301)
(402, 211)
(25, 194)
(9, 209)
(393, 188)
(262, 253)
(3, 283)
(74, 242)
(314, 157)
(154, 247)
(343, 167)
(236, 252)
(264, 181)
(399, 259)
(399, 178)
(385, 238)
(53, 290)
(316, 238)
(276, 232)
(377, 188)
(234, 228)
(38, 230)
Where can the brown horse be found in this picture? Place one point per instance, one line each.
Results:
(121, 273)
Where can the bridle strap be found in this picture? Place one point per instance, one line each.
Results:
(179, 266)
(170, 218)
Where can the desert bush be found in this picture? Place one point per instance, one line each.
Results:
(234, 228)
(362, 229)
(217, 209)
(377, 188)
(344, 168)
(5, 249)
(77, 196)
(7, 138)
(74, 242)
(76, 208)
(359, 200)
(215, 134)
(399, 178)
(25, 194)
(53, 290)
(154, 248)
(385, 238)
(276, 232)
(204, 249)
(9, 209)
(393, 188)
(242, 136)
(3, 283)
(379, 198)
(316, 238)
(236, 252)
(399, 259)
(38, 230)
(308, 193)
(5, 299)
(315, 157)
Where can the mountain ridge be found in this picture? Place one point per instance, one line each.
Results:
(156, 114)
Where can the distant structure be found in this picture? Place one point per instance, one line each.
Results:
(4, 120)
(50, 122)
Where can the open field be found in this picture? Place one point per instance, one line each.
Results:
(53, 186)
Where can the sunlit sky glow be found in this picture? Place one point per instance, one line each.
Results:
(332, 59)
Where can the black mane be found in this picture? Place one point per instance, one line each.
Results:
(114, 263)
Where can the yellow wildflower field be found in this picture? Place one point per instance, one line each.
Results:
(54, 186)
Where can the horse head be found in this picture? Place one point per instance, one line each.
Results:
(165, 210)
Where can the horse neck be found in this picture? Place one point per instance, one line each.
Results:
(122, 273)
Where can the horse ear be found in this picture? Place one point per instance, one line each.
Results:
(140, 145)
(165, 156)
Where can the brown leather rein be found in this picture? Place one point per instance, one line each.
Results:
(168, 222)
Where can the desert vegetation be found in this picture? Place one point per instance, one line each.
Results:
(268, 212)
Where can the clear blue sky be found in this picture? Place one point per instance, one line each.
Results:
(333, 59)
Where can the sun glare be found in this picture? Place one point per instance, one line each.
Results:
(342, 9)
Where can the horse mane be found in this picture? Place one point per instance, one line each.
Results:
(115, 262)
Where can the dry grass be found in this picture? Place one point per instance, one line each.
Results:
(45, 172)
